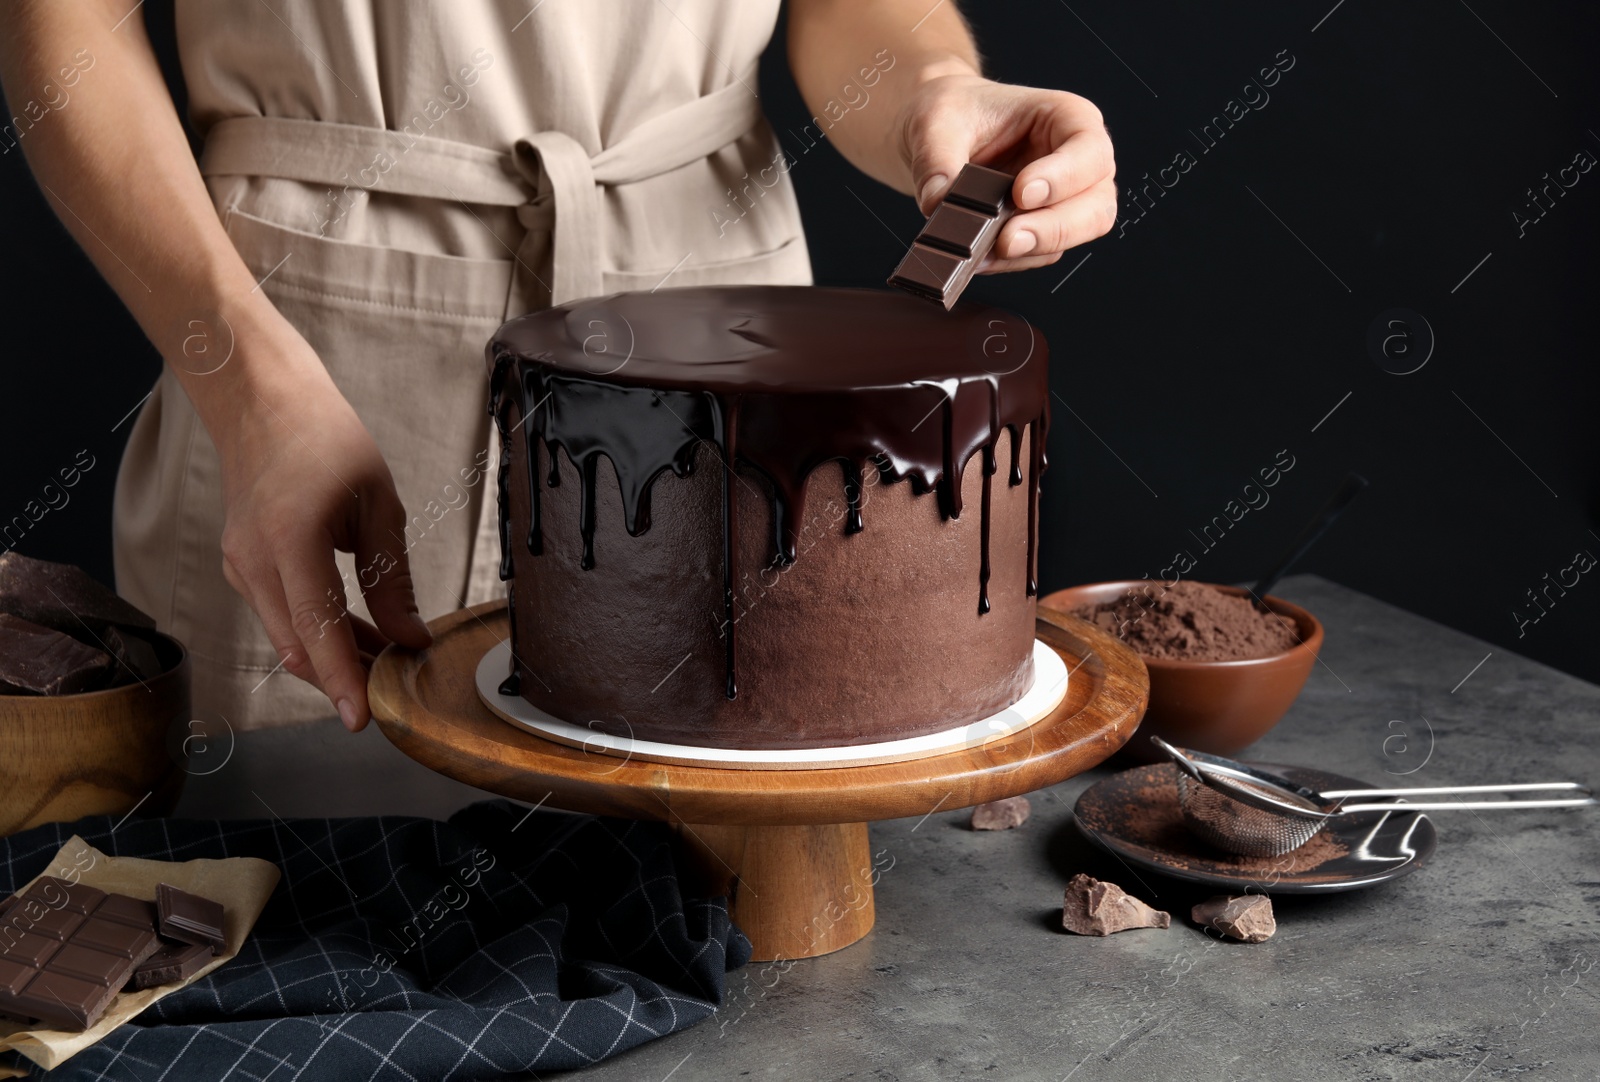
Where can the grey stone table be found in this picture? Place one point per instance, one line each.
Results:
(1484, 964)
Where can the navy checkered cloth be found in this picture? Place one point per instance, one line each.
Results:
(494, 944)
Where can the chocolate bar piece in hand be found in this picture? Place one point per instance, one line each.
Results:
(66, 950)
(189, 918)
(957, 237)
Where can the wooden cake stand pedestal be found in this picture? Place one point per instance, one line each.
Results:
(788, 847)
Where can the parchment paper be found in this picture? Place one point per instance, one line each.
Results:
(241, 884)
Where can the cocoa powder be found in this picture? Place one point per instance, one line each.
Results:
(1192, 621)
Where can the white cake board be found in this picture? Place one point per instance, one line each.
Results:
(1048, 689)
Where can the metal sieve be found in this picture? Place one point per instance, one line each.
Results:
(1256, 813)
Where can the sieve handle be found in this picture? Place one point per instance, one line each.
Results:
(1453, 805)
(1532, 787)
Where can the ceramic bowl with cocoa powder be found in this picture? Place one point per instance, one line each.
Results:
(1203, 694)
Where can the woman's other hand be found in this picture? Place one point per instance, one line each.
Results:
(301, 479)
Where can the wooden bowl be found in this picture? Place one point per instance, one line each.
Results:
(1217, 706)
(97, 753)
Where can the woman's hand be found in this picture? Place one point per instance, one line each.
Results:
(919, 110)
(301, 478)
(1056, 143)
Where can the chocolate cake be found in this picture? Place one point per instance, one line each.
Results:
(769, 516)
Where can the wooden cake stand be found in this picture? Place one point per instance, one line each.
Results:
(787, 847)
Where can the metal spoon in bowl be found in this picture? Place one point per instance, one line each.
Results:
(1257, 813)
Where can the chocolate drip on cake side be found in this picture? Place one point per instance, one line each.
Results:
(936, 428)
(924, 431)
(503, 364)
(728, 440)
(644, 432)
(1037, 462)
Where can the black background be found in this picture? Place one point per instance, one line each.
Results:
(1221, 329)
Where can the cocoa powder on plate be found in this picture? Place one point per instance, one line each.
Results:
(1156, 822)
(1192, 621)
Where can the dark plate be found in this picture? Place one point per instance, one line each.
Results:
(1135, 815)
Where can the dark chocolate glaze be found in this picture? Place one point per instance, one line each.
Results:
(512, 685)
(779, 379)
(727, 437)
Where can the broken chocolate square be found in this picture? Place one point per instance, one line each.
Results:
(190, 918)
(1091, 907)
(174, 962)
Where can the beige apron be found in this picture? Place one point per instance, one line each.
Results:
(401, 178)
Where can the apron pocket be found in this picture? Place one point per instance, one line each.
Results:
(454, 287)
(788, 264)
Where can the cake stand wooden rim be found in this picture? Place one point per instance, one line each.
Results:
(426, 702)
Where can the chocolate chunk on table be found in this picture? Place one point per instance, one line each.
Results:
(957, 237)
(66, 950)
(1004, 814)
(36, 660)
(1091, 907)
(174, 962)
(1247, 918)
(189, 918)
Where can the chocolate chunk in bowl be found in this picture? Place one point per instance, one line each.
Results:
(36, 660)
(94, 702)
